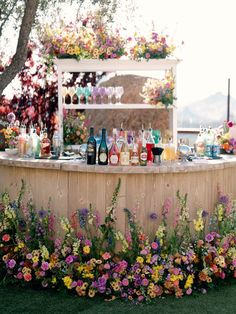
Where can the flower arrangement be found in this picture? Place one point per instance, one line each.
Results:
(155, 47)
(227, 137)
(86, 259)
(75, 128)
(89, 38)
(10, 130)
(159, 92)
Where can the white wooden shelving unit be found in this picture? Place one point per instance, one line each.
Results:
(114, 65)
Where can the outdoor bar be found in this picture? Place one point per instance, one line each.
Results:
(71, 185)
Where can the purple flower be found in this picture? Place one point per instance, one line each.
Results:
(11, 117)
(11, 263)
(145, 282)
(153, 216)
(204, 214)
(125, 282)
(42, 213)
(209, 237)
(45, 266)
(69, 259)
(224, 199)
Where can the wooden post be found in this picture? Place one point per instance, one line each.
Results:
(228, 101)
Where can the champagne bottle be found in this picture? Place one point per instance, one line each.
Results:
(124, 154)
(103, 150)
(114, 151)
(91, 148)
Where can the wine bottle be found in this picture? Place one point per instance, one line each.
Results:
(91, 148)
(103, 150)
(125, 154)
(143, 154)
(114, 155)
(134, 154)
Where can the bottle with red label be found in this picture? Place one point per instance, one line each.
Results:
(114, 155)
(149, 145)
(45, 145)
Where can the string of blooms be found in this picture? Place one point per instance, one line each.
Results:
(154, 47)
(88, 38)
(85, 261)
(159, 92)
(92, 38)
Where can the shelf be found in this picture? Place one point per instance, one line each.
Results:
(116, 106)
(113, 65)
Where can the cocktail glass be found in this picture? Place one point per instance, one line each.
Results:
(110, 91)
(79, 92)
(102, 93)
(87, 93)
(94, 93)
(64, 92)
(119, 91)
(71, 92)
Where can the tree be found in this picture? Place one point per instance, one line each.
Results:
(26, 11)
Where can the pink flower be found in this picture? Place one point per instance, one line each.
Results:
(230, 124)
(74, 284)
(145, 282)
(125, 282)
(45, 266)
(6, 237)
(107, 266)
(106, 256)
(42, 273)
(154, 245)
(29, 256)
(189, 291)
(147, 55)
(222, 275)
(27, 277)
(11, 263)
(234, 262)
(19, 275)
(69, 259)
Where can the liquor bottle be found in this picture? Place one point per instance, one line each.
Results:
(149, 145)
(45, 145)
(124, 154)
(143, 154)
(120, 139)
(169, 151)
(29, 143)
(114, 155)
(56, 144)
(91, 148)
(103, 150)
(36, 144)
(22, 141)
(134, 155)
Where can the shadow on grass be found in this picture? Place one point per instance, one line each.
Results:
(28, 301)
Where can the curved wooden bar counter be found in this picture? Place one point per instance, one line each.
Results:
(72, 184)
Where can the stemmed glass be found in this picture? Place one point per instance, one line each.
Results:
(87, 93)
(102, 92)
(79, 92)
(71, 92)
(110, 91)
(94, 93)
(119, 91)
(64, 93)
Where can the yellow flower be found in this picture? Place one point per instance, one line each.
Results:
(44, 252)
(54, 280)
(21, 245)
(26, 270)
(189, 282)
(139, 259)
(67, 282)
(86, 249)
(91, 293)
(35, 259)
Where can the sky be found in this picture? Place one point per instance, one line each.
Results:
(207, 28)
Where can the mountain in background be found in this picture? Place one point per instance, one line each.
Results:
(209, 111)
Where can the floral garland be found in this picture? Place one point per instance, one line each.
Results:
(75, 128)
(85, 260)
(91, 38)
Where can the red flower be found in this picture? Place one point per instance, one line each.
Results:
(6, 237)
(27, 277)
(230, 124)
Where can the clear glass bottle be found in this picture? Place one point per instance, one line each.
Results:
(124, 154)
(149, 145)
(143, 154)
(120, 139)
(22, 141)
(114, 155)
(56, 144)
(134, 154)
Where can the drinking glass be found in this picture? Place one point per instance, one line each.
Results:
(79, 92)
(94, 93)
(71, 92)
(64, 92)
(110, 91)
(102, 93)
(119, 91)
(87, 93)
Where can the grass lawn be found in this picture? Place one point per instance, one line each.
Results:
(18, 300)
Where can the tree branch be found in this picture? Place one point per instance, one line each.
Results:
(20, 56)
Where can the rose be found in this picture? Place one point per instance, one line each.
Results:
(106, 256)
(27, 277)
(6, 237)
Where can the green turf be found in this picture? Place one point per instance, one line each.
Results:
(26, 301)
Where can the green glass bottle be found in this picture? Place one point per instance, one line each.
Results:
(91, 148)
(103, 150)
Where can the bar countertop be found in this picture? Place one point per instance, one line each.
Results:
(227, 161)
